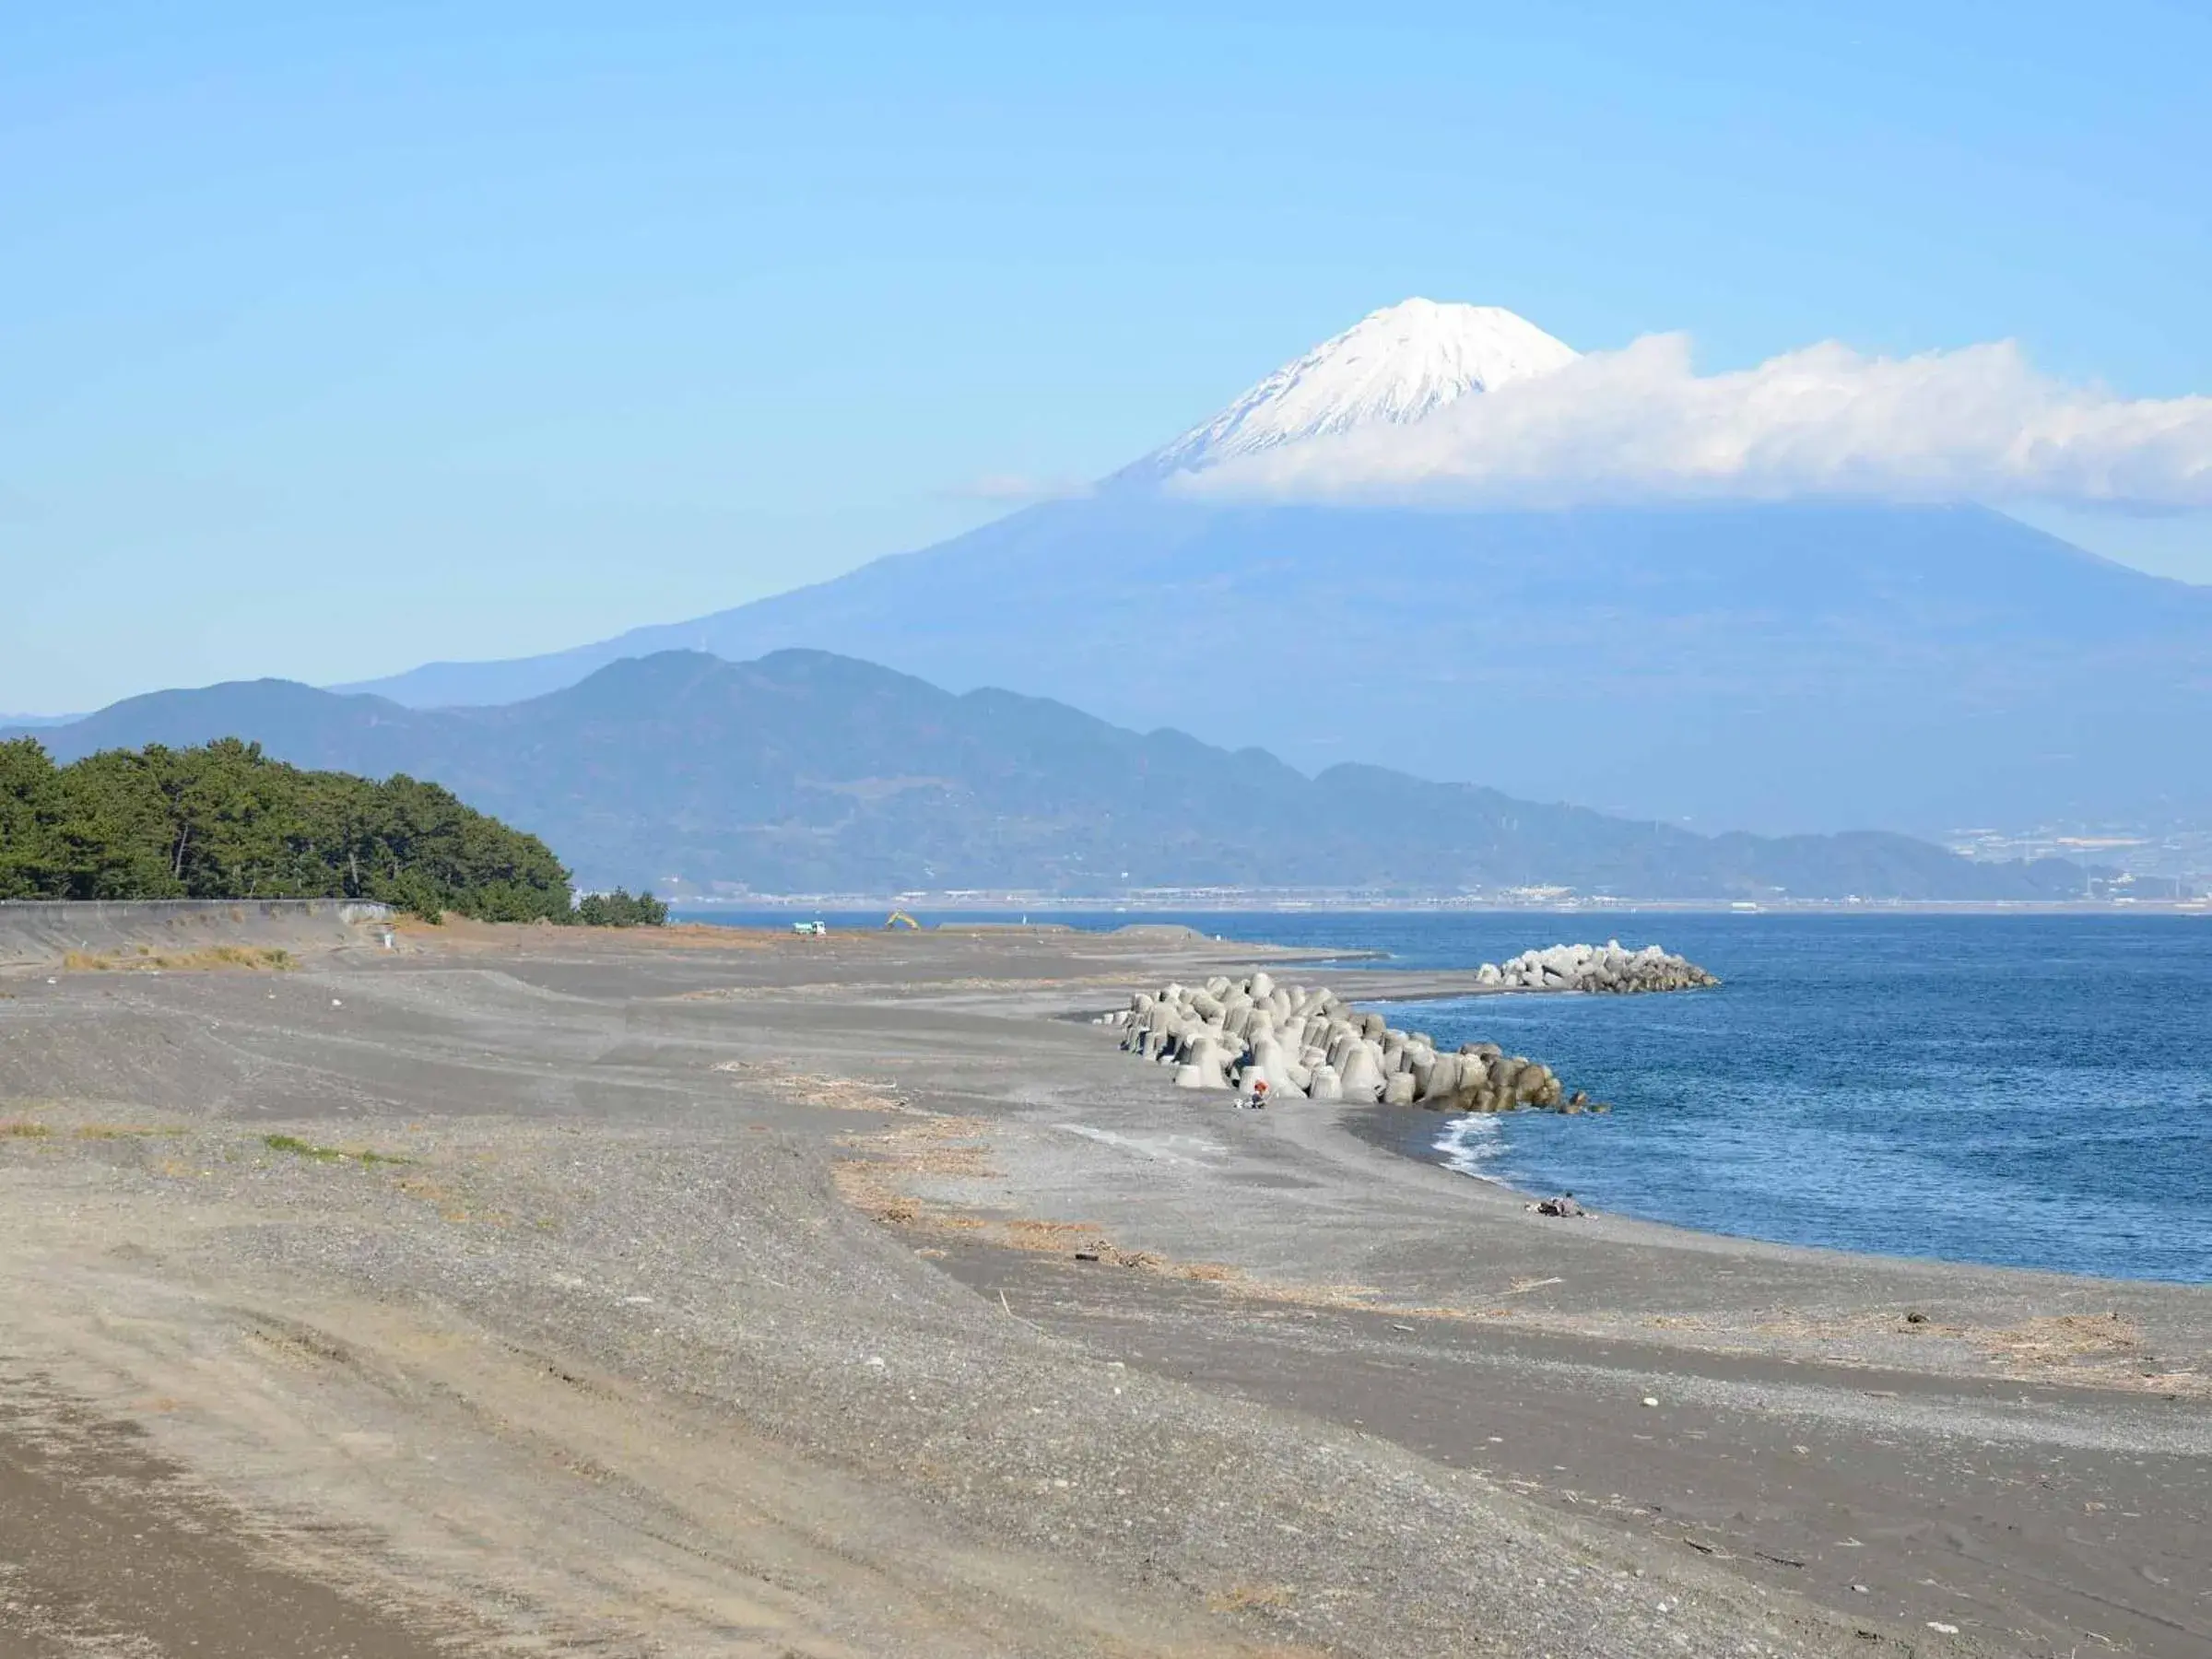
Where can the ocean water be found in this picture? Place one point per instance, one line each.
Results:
(2031, 1091)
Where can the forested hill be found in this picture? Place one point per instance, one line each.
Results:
(810, 772)
(225, 822)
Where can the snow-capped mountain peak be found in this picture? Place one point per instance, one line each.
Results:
(1395, 366)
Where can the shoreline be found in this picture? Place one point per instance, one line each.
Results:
(1392, 1129)
(1388, 1129)
(593, 1291)
(1232, 904)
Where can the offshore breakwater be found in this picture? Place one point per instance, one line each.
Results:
(1290, 1042)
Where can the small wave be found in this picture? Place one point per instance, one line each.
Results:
(1468, 1144)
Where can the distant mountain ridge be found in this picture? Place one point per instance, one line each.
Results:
(1781, 666)
(809, 771)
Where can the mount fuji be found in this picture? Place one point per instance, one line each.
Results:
(1780, 666)
(1395, 367)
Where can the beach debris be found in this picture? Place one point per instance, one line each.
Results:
(1564, 1205)
(1914, 1316)
(1651, 1401)
(1941, 1629)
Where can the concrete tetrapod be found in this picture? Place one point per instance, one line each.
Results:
(1307, 1042)
(1361, 1073)
(1267, 1061)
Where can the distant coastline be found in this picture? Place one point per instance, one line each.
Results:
(835, 776)
(1209, 900)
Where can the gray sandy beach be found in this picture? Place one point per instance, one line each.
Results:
(564, 1291)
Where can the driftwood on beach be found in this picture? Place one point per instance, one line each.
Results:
(1311, 1044)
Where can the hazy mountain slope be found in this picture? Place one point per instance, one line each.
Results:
(1784, 667)
(809, 771)
(373, 735)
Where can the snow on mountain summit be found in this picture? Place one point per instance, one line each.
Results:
(1393, 366)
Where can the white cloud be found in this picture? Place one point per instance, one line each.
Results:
(1977, 424)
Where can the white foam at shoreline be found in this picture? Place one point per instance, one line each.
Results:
(1467, 1144)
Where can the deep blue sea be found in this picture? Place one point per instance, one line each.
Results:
(2033, 1091)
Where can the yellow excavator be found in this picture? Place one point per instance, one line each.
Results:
(901, 919)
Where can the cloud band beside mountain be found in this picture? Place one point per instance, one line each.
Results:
(1980, 423)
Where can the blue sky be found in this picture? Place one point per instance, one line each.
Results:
(337, 338)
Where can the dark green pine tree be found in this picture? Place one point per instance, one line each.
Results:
(225, 822)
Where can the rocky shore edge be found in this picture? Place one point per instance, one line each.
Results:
(1309, 1044)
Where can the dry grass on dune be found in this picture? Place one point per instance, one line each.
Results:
(252, 959)
(460, 932)
(32, 1129)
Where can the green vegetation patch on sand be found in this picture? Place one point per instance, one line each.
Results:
(308, 1149)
